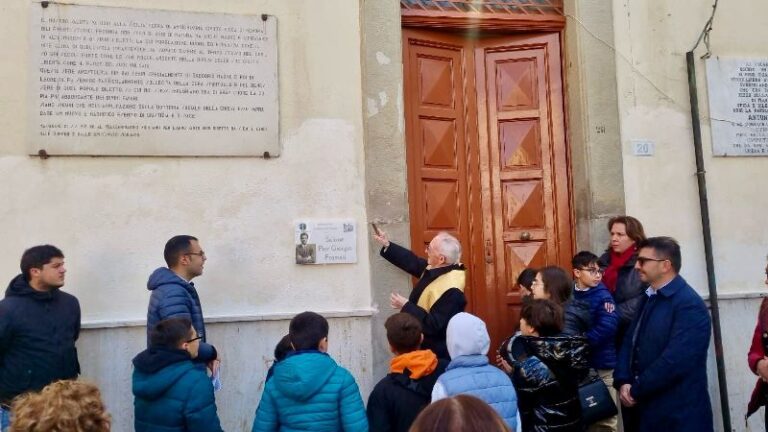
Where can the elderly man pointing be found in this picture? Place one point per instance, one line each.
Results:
(439, 293)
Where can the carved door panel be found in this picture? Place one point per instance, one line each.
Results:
(487, 159)
(440, 130)
(526, 206)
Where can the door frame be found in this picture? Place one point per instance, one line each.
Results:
(498, 24)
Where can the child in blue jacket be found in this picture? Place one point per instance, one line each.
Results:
(308, 390)
(469, 371)
(172, 392)
(601, 336)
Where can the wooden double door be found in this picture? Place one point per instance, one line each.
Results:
(487, 159)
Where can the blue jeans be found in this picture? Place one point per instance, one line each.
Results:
(5, 420)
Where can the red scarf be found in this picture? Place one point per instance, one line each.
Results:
(618, 260)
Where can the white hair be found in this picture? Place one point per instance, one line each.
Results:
(449, 247)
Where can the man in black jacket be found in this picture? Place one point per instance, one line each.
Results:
(39, 325)
(439, 293)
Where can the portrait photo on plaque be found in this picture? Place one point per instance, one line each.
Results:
(306, 253)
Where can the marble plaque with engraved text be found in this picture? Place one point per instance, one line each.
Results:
(122, 81)
(738, 106)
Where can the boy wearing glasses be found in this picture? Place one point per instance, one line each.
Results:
(601, 336)
(171, 392)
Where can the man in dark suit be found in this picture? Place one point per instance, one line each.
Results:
(661, 372)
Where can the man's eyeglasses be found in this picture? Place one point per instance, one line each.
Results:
(194, 339)
(201, 254)
(643, 260)
(594, 271)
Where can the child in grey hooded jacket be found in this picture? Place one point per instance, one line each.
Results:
(469, 371)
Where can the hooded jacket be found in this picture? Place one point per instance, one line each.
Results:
(38, 331)
(469, 371)
(172, 394)
(173, 297)
(435, 320)
(309, 391)
(547, 372)
(400, 396)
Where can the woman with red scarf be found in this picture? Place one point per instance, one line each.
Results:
(758, 359)
(620, 275)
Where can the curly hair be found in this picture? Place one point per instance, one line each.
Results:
(62, 406)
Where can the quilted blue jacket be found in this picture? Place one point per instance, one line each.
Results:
(468, 342)
(601, 335)
(471, 374)
(173, 297)
(310, 392)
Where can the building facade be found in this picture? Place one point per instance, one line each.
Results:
(509, 123)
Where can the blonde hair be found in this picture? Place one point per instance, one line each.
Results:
(63, 406)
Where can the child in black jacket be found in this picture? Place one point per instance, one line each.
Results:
(546, 369)
(400, 396)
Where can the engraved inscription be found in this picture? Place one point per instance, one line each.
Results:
(738, 94)
(152, 82)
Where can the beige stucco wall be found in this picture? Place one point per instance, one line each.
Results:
(593, 122)
(385, 167)
(112, 216)
(653, 103)
(651, 39)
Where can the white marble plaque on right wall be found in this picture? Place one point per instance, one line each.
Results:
(738, 106)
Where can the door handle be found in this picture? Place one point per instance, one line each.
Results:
(488, 252)
(525, 236)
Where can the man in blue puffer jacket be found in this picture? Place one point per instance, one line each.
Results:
(173, 394)
(469, 372)
(174, 295)
(308, 390)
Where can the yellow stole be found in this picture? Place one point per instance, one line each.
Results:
(438, 287)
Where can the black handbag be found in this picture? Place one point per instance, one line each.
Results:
(596, 401)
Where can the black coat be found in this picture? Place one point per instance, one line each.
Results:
(546, 375)
(434, 322)
(397, 400)
(664, 358)
(629, 293)
(577, 318)
(38, 331)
